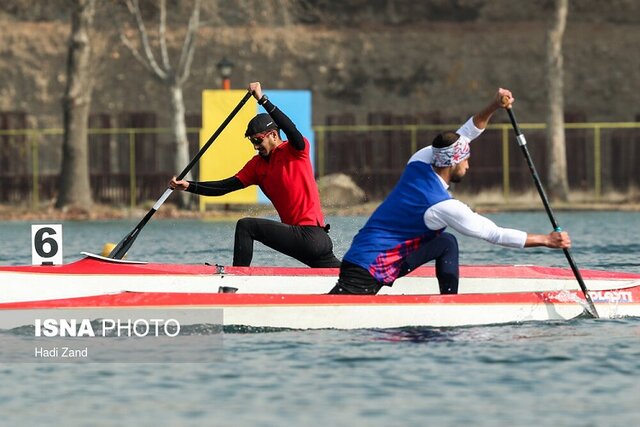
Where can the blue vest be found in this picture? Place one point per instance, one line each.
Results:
(397, 226)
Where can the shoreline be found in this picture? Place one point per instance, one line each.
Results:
(99, 212)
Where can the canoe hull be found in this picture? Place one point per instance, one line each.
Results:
(295, 297)
(352, 312)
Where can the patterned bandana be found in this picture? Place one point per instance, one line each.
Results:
(451, 155)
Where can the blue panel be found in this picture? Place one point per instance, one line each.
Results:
(297, 105)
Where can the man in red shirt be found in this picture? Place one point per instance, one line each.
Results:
(282, 169)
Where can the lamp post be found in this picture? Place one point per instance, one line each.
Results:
(225, 68)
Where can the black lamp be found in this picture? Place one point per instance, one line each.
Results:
(225, 68)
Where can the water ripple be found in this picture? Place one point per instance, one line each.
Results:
(579, 372)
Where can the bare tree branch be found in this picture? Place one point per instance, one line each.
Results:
(162, 32)
(188, 48)
(134, 51)
(171, 78)
(134, 9)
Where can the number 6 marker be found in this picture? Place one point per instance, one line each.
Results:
(46, 244)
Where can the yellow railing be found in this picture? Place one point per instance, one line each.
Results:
(506, 132)
(34, 136)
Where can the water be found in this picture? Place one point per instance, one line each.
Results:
(578, 373)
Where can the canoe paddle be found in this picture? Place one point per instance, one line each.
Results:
(522, 142)
(121, 248)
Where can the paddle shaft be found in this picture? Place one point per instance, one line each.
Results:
(121, 248)
(522, 142)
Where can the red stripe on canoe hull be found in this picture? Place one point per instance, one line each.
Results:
(90, 266)
(164, 299)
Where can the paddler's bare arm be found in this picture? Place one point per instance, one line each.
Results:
(555, 240)
(481, 119)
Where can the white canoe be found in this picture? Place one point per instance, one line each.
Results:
(295, 297)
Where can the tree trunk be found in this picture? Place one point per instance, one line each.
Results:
(181, 142)
(74, 174)
(558, 187)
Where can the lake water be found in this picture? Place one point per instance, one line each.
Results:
(582, 372)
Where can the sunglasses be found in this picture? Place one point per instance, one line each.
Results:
(257, 139)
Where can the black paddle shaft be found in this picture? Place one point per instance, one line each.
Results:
(522, 142)
(123, 247)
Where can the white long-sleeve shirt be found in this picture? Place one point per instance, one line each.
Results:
(457, 215)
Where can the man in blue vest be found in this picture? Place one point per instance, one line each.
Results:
(407, 229)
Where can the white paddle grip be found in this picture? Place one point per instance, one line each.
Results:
(521, 140)
(162, 199)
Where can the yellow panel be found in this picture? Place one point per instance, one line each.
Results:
(231, 150)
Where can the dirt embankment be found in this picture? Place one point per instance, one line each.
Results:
(484, 202)
(435, 58)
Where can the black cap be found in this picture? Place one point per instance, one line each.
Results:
(259, 124)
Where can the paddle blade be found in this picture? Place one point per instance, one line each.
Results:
(107, 249)
(123, 247)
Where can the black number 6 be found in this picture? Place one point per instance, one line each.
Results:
(40, 241)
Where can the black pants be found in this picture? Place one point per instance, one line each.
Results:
(356, 280)
(311, 245)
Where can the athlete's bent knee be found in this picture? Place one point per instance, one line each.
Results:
(244, 225)
(450, 240)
